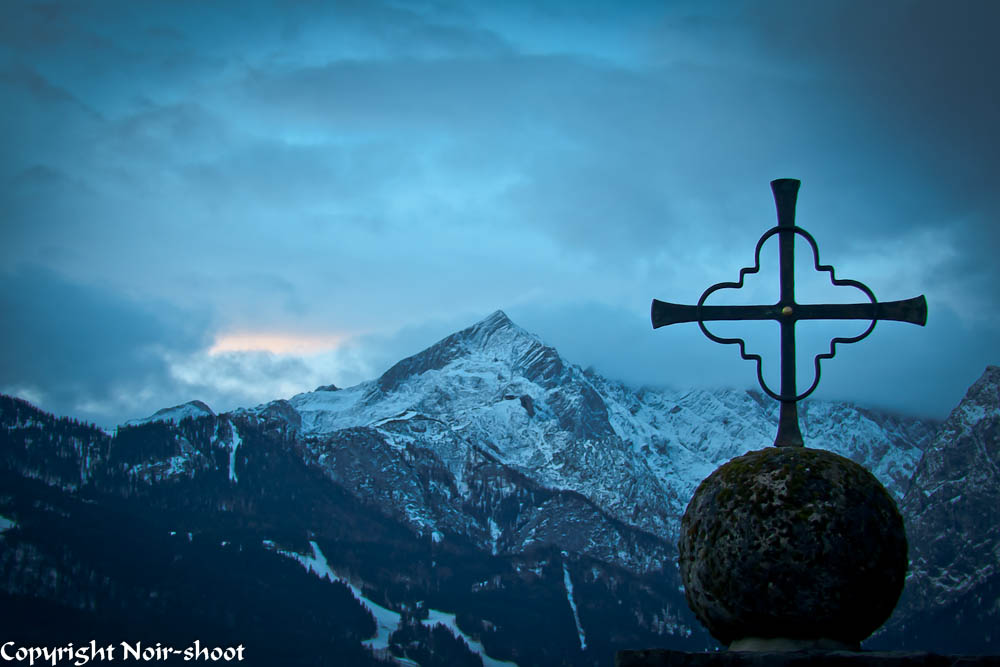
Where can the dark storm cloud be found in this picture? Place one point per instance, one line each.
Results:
(587, 150)
(362, 168)
(84, 350)
(42, 121)
(923, 73)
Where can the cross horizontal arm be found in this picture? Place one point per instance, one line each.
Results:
(664, 313)
(912, 310)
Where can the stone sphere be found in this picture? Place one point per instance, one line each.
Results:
(792, 543)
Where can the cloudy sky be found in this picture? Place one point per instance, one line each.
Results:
(239, 201)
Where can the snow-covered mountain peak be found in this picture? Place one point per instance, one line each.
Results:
(495, 321)
(983, 398)
(496, 333)
(471, 375)
(981, 402)
(175, 414)
(953, 503)
(964, 458)
(495, 390)
(495, 339)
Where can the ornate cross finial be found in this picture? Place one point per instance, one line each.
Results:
(787, 311)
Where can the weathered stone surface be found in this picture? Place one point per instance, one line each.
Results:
(792, 542)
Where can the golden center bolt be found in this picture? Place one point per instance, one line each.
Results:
(786, 311)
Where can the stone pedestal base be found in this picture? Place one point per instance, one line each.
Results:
(665, 658)
(772, 644)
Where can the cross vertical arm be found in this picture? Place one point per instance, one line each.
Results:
(786, 191)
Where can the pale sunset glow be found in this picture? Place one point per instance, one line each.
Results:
(277, 343)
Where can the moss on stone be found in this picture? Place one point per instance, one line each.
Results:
(792, 542)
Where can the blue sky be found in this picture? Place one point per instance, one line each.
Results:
(238, 201)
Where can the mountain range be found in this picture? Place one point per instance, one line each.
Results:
(482, 502)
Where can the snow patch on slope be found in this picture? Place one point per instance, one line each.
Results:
(237, 441)
(386, 620)
(435, 617)
(572, 604)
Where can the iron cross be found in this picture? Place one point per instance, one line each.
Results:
(787, 311)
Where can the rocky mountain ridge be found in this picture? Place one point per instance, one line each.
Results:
(637, 453)
(499, 470)
(952, 513)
